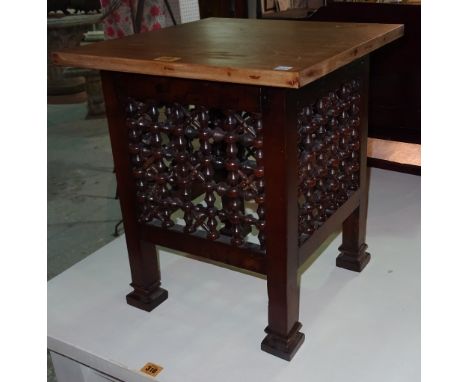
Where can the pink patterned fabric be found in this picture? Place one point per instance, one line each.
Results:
(119, 23)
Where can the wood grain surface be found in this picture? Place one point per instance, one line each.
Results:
(243, 51)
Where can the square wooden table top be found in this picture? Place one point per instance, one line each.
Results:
(279, 53)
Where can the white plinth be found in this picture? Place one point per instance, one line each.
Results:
(358, 327)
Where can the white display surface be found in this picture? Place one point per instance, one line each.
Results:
(358, 326)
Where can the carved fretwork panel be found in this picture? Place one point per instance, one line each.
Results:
(198, 168)
(328, 155)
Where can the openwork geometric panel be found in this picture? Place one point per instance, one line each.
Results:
(328, 155)
(198, 168)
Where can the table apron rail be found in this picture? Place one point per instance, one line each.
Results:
(223, 252)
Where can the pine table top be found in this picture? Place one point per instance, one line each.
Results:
(278, 53)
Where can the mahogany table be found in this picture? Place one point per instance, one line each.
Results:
(241, 141)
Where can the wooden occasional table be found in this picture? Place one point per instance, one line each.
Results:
(242, 141)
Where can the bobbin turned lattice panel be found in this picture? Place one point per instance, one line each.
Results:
(329, 154)
(198, 167)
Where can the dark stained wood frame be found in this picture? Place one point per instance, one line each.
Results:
(283, 256)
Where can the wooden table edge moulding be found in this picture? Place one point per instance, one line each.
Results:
(224, 130)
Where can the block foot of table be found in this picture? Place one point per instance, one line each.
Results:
(147, 300)
(353, 260)
(283, 347)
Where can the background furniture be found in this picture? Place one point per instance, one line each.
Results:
(395, 83)
(225, 129)
(64, 32)
(395, 80)
(230, 8)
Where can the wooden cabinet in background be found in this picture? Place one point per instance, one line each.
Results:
(395, 70)
(226, 8)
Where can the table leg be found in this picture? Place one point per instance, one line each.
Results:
(146, 277)
(280, 146)
(353, 255)
(144, 261)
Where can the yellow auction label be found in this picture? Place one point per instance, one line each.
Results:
(151, 369)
